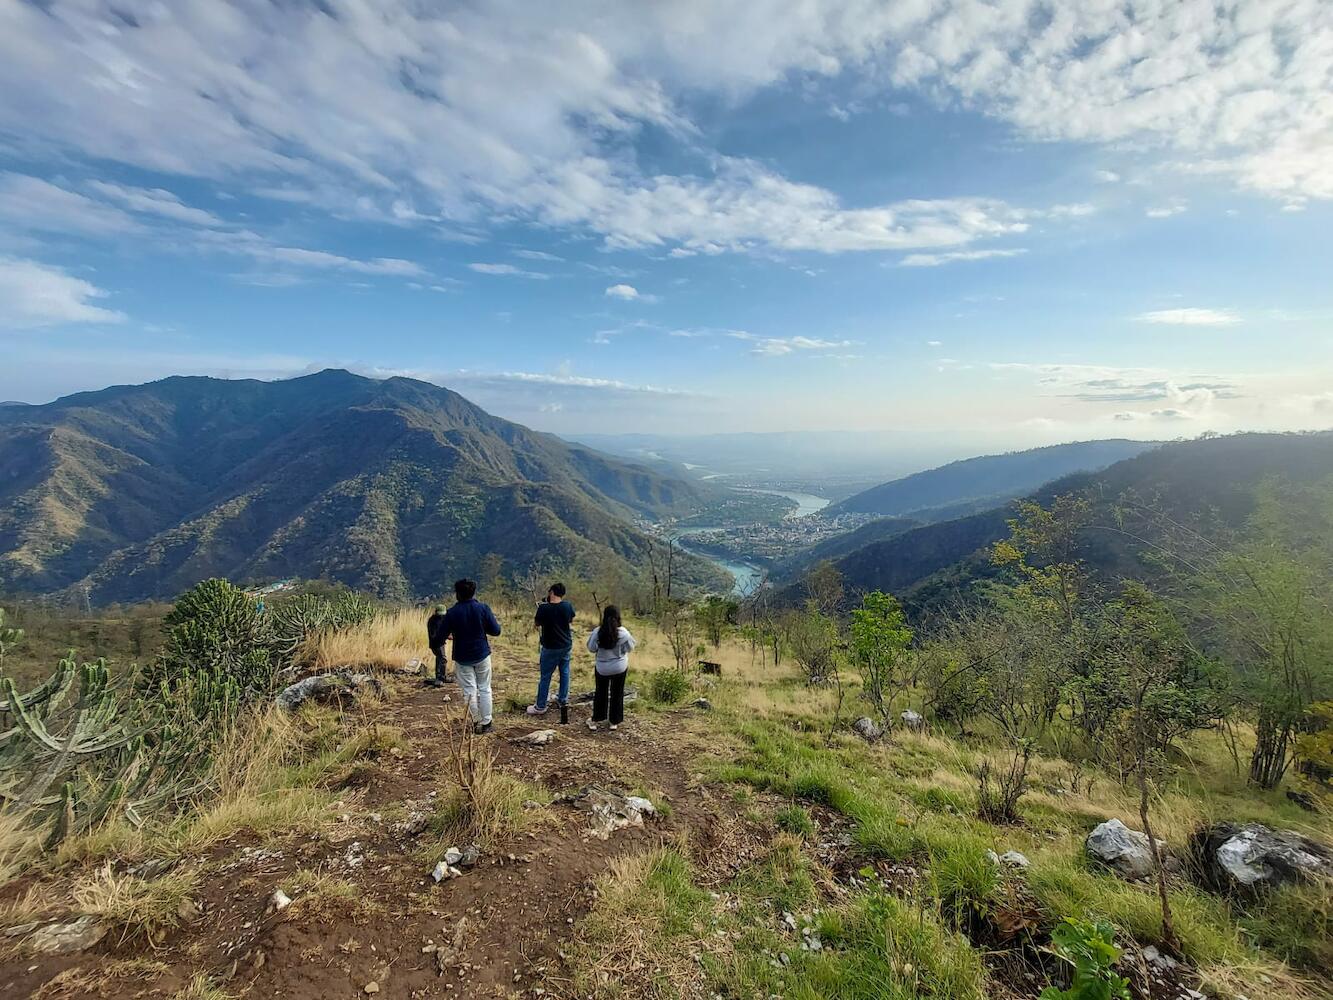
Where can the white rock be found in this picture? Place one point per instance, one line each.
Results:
(912, 720)
(279, 901)
(67, 938)
(1123, 850)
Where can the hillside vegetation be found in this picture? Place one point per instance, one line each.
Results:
(1209, 483)
(840, 807)
(987, 481)
(395, 487)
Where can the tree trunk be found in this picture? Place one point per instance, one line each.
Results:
(1168, 927)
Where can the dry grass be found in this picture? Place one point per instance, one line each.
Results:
(481, 804)
(20, 843)
(99, 979)
(137, 906)
(201, 987)
(388, 642)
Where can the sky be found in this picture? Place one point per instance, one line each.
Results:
(1011, 222)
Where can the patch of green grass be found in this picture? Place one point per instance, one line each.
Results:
(795, 819)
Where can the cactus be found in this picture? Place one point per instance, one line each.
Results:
(9, 637)
(84, 745)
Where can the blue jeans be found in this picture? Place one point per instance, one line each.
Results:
(550, 659)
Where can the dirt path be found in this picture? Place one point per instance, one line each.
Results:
(495, 931)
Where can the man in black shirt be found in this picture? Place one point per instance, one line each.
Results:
(555, 617)
(435, 640)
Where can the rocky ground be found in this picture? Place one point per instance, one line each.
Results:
(373, 920)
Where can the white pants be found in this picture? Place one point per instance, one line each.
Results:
(474, 679)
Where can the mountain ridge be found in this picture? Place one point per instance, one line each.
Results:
(389, 485)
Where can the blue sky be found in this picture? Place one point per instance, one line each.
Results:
(1005, 222)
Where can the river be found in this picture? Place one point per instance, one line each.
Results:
(747, 575)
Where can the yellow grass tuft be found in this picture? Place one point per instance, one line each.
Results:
(137, 906)
(389, 641)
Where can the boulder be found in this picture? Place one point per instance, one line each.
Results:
(703, 704)
(1229, 857)
(912, 720)
(867, 728)
(67, 938)
(339, 690)
(1121, 849)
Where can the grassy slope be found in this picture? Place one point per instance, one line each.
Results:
(677, 919)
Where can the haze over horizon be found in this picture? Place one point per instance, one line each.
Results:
(984, 225)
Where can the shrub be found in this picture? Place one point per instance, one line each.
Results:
(215, 628)
(998, 792)
(1091, 949)
(667, 687)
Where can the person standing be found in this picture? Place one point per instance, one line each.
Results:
(435, 639)
(555, 617)
(611, 644)
(469, 622)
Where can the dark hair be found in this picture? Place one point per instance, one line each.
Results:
(558, 589)
(609, 632)
(465, 590)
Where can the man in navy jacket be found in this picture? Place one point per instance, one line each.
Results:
(468, 623)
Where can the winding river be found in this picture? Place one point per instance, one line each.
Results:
(747, 575)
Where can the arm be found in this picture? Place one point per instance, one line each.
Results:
(492, 623)
(592, 641)
(628, 643)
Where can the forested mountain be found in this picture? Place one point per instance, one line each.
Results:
(394, 486)
(1210, 480)
(981, 483)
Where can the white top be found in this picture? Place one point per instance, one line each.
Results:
(615, 660)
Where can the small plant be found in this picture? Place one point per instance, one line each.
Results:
(1091, 949)
(998, 792)
(667, 687)
(795, 819)
(9, 637)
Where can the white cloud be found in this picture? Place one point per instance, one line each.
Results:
(537, 255)
(30, 203)
(156, 201)
(507, 269)
(1167, 210)
(1190, 317)
(1106, 176)
(626, 292)
(774, 347)
(936, 259)
(37, 295)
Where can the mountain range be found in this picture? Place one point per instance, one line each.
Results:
(1213, 477)
(391, 486)
(974, 484)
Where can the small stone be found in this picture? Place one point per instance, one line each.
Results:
(703, 704)
(279, 901)
(67, 938)
(372, 987)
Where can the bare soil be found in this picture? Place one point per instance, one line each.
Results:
(496, 931)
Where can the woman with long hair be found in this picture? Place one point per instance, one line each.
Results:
(610, 643)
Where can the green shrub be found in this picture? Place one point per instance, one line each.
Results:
(215, 628)
(1090, 948)
(668, 687)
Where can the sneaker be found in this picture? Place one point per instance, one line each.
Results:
(434, 682)
(615, 726)
(592, 725)
(482, 728)
(534, 710)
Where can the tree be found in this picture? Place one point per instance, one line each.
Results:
(715, 615)
(879, 648)
(824, 590)
(812, 638)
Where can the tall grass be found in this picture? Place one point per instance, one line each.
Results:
(389, 641)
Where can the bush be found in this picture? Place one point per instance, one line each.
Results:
(215, 628)
(1091, 949)
(998, 791)
(668, 687)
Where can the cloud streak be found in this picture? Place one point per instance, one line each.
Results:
(37, 295)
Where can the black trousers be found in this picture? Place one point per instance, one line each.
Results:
(609, 694)
(441, 667)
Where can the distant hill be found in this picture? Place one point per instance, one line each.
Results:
(935, 563)
(980, 483)
(396, 487)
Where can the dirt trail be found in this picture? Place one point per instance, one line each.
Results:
(516, 907)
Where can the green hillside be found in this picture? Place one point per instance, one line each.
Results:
(393, 486)
(974, 484)
(1212, 479)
